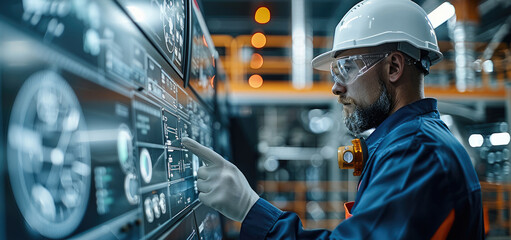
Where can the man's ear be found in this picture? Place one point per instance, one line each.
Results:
(396, 66)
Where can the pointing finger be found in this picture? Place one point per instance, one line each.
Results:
(203, 186)
(205, 198)
(202, 173)
(207, 155)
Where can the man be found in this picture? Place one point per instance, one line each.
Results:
(418, 181)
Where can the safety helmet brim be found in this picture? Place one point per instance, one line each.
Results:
(371, 23)
(322, 62)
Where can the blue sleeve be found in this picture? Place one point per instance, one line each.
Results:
(405, 198)
(265, 221)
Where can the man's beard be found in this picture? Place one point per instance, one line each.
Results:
(364, 118)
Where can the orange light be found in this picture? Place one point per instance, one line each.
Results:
(204, 41)
(262, 15)
(256, 61)
(258, 40)
(255, 81)
(212, 81)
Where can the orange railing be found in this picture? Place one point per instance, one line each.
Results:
(299, 203)
(497, 203)
(238, 69)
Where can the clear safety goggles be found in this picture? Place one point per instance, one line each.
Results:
(346, 70)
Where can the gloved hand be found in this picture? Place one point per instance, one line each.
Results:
(221, 184)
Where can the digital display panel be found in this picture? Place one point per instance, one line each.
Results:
(164, 22)
(208, 223)
(185, 230)
(202, 66)
(92, 120)
(70, 147)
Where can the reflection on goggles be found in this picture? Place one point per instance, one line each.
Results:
(345, 70)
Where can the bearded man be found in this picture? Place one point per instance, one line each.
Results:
(418, 181)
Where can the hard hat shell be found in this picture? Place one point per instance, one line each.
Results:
(374, 22)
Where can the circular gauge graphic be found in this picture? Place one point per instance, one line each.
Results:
(148, 210)
(156, 206)
(181, 17)
(180, 22)
(163, 204)
(131, 188)
(146, 165)
(167, 12)
(125, 148)
(49, 155)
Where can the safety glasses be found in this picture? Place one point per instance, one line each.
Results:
(346, 70)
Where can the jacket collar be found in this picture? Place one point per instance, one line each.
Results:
(402, 115)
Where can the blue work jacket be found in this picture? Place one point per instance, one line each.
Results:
(417, 178)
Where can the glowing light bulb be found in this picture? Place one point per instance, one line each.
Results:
(255, 81)
(258, 40)
(262, 15)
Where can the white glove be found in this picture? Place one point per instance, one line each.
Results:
(221, 184)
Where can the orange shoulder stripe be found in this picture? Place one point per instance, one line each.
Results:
(443, 230)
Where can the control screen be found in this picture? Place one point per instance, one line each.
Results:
(164, 22)
(93, 109)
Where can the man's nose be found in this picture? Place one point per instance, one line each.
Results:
(338, 89)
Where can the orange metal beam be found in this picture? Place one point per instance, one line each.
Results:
(466, 10)
(323, 90)
(238, 70)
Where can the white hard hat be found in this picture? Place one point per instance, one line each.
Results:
(374, 22)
